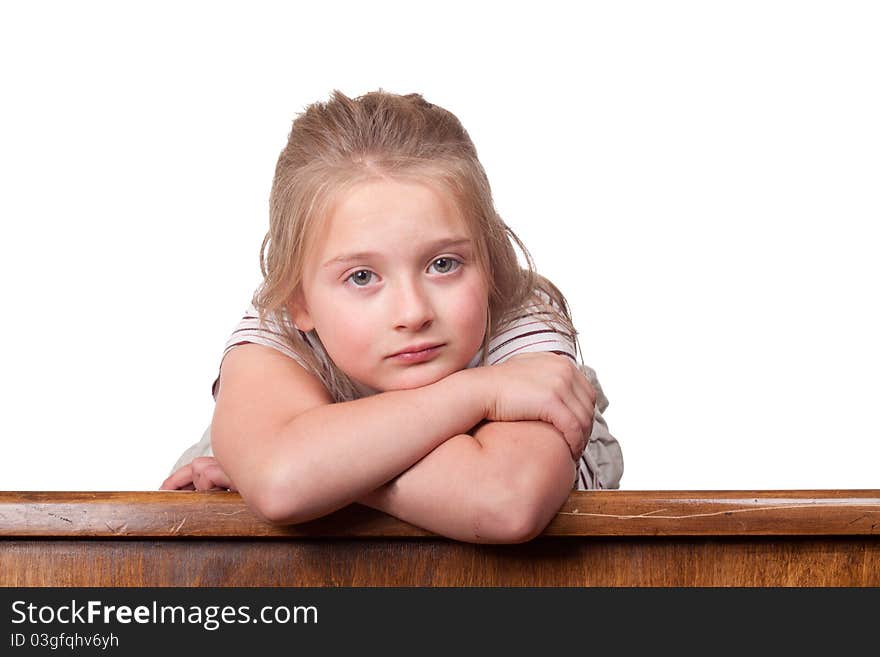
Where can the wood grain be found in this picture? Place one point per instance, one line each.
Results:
(603, 561)
(598, 538)
(585, 513)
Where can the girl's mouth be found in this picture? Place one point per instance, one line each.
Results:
(418, 356)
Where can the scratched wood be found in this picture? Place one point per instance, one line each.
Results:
(598, 538)
(585, 513)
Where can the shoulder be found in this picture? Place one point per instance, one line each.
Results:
(268, 333)
(256, 370)
(250, 329)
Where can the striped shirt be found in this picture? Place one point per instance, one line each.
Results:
(532, 330)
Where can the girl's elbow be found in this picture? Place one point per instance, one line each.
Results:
(524, 487)
(518, 526)
(513, 522)
(280, 493)
(278, 503)
(517, 511)
(267, 506)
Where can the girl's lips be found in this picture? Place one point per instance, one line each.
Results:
(418, 356)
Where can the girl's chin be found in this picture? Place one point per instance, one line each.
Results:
(409, 380)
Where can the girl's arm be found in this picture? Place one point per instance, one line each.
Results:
(503, 485)
(295, 456)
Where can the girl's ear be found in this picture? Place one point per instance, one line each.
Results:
(299, 312)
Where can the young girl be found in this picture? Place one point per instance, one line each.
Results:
(396, 353)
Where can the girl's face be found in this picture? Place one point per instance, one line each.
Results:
(394, 271)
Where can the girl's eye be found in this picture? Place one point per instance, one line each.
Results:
(361, 277)
(446, 265)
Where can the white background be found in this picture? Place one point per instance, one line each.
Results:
(700, 179)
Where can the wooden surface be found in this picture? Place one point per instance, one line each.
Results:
(598, 538)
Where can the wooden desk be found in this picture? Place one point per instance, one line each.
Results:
(598, 538)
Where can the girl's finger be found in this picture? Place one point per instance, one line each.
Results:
(585, 389)
(588, 395)
(568, 424)
(582, 412)
(212, 477)
(581, 403)
(219, 478)
(205, 469)
(178, 479)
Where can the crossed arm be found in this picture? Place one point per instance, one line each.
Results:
(503, 485)
(422, 455)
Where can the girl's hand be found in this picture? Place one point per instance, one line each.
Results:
(203, 473)
(542, 386)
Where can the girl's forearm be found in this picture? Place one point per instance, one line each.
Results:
(503, 485)
(333, 454)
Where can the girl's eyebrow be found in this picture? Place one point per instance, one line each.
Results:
(455, 241)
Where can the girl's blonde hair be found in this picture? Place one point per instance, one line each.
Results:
(336, 144)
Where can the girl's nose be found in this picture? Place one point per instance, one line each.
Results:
(413, 308)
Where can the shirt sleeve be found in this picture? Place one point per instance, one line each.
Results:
(250, 331)
(532, 331)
